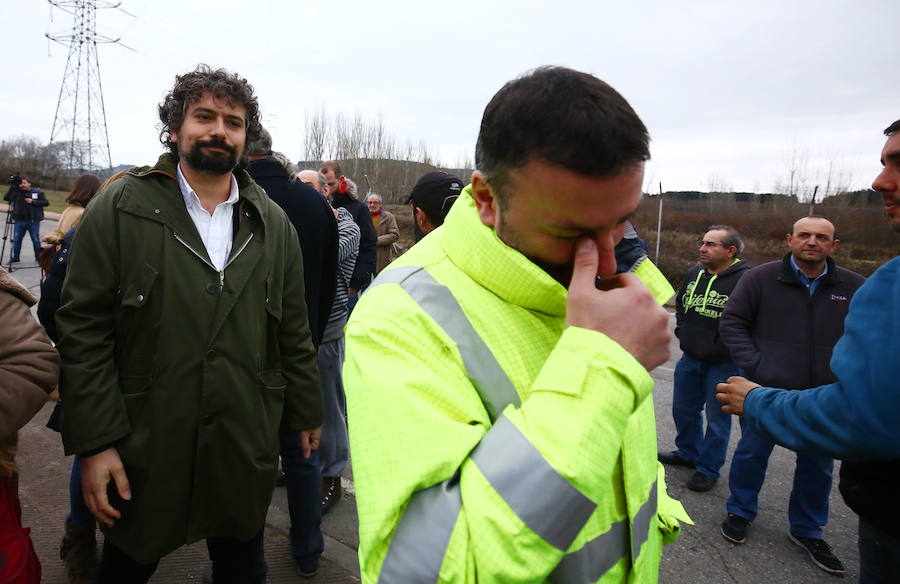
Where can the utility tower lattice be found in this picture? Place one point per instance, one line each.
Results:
(79, 137)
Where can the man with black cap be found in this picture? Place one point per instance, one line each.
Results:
(431, 199)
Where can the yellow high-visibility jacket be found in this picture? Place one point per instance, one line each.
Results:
(490, 442)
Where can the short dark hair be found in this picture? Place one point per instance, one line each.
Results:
(332, 166)
(732, 237)
(190, 87)
(889, 131)
(84, 189)
(559, 116)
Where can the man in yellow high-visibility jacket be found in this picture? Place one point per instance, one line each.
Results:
(509, 435)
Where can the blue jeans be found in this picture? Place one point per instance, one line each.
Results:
(78, 511)
(304, 495)
(334, 451)
(695, 389)
(808, 506)
(879, 555)
(33, 228)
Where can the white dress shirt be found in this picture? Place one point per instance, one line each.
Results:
(215, 229)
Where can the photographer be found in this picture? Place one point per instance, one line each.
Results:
(27, 209)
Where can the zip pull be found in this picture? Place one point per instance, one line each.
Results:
(221, 280)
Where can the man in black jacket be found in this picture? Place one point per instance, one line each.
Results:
(27, 207)
(780, 326)
(315, 224)
(705, 362)
(316, 227)
(341, 196)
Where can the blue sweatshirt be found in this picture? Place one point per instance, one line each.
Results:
(857, 418)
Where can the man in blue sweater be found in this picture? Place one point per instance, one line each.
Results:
(855, 419)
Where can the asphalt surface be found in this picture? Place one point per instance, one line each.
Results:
(701, 555)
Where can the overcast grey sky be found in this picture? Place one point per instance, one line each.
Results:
(727, 89)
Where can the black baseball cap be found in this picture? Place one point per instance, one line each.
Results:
(435, 193)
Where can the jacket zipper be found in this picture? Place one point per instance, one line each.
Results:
(205, 261)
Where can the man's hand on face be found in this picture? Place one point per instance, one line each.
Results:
(96, 472)
(733, 392)
(309, 441)
(626, 313)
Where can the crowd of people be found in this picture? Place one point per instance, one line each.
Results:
(219, 311)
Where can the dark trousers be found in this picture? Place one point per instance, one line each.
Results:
(79, 513)
(233, 562)
(808, 505)
(695, 391)
(879, 555)
(304, 495)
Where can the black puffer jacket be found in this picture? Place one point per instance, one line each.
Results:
(781, 335)
(698, 307)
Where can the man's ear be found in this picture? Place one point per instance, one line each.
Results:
(485, 199)
(837, 243)
(419, 217)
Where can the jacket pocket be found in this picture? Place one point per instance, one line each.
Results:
(137, 293)
(134, 325)
(272, 380)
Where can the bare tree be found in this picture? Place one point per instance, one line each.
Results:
(316, 137)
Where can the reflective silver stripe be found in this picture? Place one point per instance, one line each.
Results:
(599, 555)
(594, 559)
(640, 526)
(545, 501)
(422, 535)
(491, 382)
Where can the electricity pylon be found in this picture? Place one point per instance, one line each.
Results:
(79, 137)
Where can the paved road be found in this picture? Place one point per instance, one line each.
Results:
(700, 555)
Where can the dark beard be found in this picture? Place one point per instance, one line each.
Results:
(216, 164)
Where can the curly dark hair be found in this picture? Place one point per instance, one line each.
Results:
(190, 87)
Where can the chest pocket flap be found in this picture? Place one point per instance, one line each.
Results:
(137, 293)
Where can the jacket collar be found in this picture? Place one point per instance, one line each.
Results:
(266, 168)
(788, 276)
(164, 168)
(475, 249)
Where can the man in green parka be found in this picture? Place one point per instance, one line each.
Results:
(184, 338)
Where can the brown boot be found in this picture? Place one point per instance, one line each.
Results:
(79, 552)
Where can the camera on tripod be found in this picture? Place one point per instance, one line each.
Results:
(14, 180)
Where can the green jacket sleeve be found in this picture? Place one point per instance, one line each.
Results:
(94, 412)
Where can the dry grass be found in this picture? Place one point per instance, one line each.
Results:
(867, 242)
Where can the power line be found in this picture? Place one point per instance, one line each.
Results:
(79, 138)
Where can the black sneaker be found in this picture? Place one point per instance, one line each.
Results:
(820, 553)
(308, 572)
(674, 459)
(701, 483)
(734, 528)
